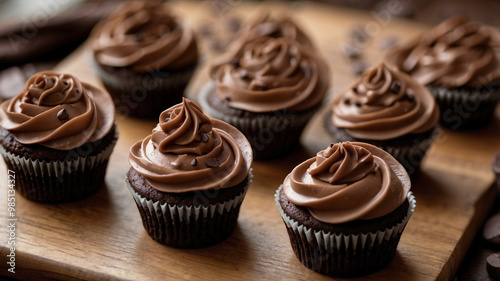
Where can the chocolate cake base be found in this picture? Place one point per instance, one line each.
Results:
(144, 95)
(187, 220)
(343, 250)
(49, 175)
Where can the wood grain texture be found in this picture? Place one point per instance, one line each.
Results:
(102, 237)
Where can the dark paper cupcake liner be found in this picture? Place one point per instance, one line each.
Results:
(189, 226)
(58, 181)
(144, 95)
(270, 135)
(409, 150)
(344, 255)
(465, 108)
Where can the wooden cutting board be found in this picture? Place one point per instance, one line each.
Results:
(102, 237)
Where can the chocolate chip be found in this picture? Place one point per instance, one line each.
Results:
(244, 74)
(388, 42)
(358, 67)
(395, 87)
(491, 230)
(204, 138)
(138, 37)
(410, 97)
(493, 265)
(227, 99)
(65, 83)
(357, 103)
(77, 91)
(194, 162)
(217, 45)
(212, 163)
(235, 62)
(263, 86)
(347, 101)
(62, 115)
(359, 34)
(351, 51)
(234, 24)
(331, 145)
(355, 90)
(206, 30)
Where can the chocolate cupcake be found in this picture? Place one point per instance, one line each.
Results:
(190, 177)
(346, 208)
(57, 136)
(459, 62)
(144, 56)
(269, 90)
(389, 109)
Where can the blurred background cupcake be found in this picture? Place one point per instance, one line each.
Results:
(268, 85)
(459, 62)
(346, 208)
(389, 109)
(57, 136)
(189, 177)
(144, 56)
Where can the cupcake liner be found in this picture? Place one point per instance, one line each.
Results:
(465, 108)
(344, 255)
(189, 226)
(270, 135)
(144, 95)
(58, 181)
(409, 150)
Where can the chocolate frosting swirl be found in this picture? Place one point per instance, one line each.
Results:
(143, 35)
(454, 53)
(348, 181)
(269, 74)
(188, 151)
(58, 111)
(385, 104)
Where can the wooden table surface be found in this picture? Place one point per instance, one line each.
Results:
(102, 237)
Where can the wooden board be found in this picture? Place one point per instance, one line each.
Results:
(102, 237)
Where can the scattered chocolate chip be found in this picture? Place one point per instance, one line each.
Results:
(138, 37)
(355, 90)
(212, 163)
(217, 45)
(351, 51)
(235, 62)
(204, 138)
(263, 86)
(194, 162)
(347, 101)
(227, 99)
(244, 74)
(62, 115)
(77, 91)
(493, 265)
(491, 229)
(234, 24)
(410, 97)
(358, 67)
(331, 145)
(359, 34)
(395, 87)
(206, 30)
(65, 83)
(357, 103)
(388, 42)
